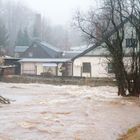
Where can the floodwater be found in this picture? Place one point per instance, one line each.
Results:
(48, 112)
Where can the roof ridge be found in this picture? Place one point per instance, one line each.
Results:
(50, 46)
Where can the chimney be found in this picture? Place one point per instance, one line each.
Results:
(37, 27)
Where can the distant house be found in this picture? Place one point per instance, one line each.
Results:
(41, 58)
(93, 62)
(19, 50)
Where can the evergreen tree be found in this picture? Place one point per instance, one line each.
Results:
(19, 38)
(37, 27)
(23, 38)
(3, 38)
(26, 38)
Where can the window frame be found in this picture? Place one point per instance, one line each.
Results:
(110, 68)
(86, 67)
(131, 43)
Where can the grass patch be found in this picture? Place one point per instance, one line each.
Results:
(132, 134)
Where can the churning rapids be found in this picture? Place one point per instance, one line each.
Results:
(48, 112)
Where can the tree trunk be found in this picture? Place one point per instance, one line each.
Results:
(120, 75)
(134, 84)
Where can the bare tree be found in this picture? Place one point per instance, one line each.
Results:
(133, 11)
(99, 27)
(15, 16)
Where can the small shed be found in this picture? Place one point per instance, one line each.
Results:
(7, 70)
(13, 62)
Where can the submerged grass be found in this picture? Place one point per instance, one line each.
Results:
(132, 134)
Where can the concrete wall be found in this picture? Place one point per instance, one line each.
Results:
(60, 80)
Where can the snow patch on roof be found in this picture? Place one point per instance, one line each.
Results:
(21, 49)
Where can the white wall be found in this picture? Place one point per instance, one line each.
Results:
(37, 68)
(99, 67)
(28, 68)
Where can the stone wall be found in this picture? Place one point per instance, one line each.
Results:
(60, 80)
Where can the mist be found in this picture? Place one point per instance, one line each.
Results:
(49, 21)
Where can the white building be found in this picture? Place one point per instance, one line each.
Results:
(94, 62)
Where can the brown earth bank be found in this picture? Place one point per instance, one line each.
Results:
(50, 112)
(132, 134)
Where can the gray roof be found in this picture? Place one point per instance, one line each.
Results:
(48, 60)
(4, 67)
(49, 49)
(80, 47)
(20, 49)
(99, 51)
(70, 54)
(50, 46)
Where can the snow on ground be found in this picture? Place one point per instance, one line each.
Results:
(48, 112)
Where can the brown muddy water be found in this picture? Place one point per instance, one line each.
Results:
(48, 112)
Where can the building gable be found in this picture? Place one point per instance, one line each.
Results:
(41, 50)
(35, 52)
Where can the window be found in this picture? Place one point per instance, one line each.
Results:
(110, 68)
(86, 67)
(131, 43)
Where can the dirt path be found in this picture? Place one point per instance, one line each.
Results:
(47, 112)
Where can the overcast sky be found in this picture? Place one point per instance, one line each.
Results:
(58, 11)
